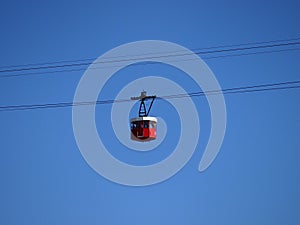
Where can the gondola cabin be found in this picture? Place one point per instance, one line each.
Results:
(143, 128)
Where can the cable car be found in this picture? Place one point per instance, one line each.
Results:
(143, 127)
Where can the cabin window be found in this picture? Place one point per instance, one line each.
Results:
(152, 124)
(146, 124)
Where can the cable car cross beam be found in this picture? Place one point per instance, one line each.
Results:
(143, 110)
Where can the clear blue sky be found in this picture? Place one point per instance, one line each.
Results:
(255, 178)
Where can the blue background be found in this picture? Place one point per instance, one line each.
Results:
(254, 179)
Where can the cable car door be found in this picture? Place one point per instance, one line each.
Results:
(140, 129)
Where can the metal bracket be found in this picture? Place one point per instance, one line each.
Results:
(143, 110)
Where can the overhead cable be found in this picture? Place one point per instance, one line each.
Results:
(234, 90)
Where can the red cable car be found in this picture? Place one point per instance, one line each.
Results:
(143, 128)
